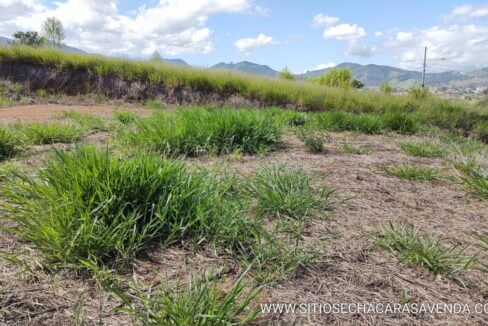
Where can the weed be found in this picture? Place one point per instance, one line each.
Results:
(412, 172)
(419, 93)
(408, 245)
(155, 105)
(423, 149)
(474, 179)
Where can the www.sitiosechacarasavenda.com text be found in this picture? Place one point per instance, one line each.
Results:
(374, 308)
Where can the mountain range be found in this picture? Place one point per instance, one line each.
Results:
(373, 75)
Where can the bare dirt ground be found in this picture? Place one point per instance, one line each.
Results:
(355, 270)
(48, 112)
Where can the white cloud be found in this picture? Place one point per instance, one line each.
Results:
(358, 50)
(169, 26)
(260, 11)
(248, 44)
(449, 47)
(324, 66)
(324, 20)
(379, 34)
(404, 36)
(469, 11)
(345, 32)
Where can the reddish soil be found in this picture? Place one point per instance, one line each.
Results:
(48, 112)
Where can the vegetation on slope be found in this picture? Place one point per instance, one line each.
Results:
(442, 113)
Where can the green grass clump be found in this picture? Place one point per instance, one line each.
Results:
(194, 132)
(87, 205)
(314, 143)
(408, 245)
(10, 143)
(474, 178)
(412, 172)
(155, 105)
(125, 117)
(86, 121)
(346, 147)
(203, 301)
(283, 191)
(49, 133)
(423, 149)
(400, 122)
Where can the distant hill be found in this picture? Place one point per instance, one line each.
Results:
(178, 62)
(247, 67)
(64, 47)
(374, 75)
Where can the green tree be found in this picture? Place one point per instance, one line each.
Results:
(156, 56)
(286, 74)
(335, 78)
(53, 30)
(29, 38)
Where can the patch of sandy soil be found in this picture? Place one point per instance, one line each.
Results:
(48, 112)
(355, 270)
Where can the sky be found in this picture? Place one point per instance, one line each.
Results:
(302, 35)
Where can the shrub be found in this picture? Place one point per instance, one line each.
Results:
(283, 191)
(49, 133)
(336, 78)
(203, 301)
(423, 149)
(195, 131)
(408, 245)
(412, 172)
(10, 144)
(89, 206)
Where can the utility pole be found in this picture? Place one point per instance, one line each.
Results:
(425, 64)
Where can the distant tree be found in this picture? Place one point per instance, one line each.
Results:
(357, 84)
(30, 38)
(156, 56)
(386, 88)
(53, 31)
(337, 78)
(286, 74)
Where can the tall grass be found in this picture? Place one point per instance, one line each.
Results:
(442, 113)
(10, 143)
(405, 242)
(86, 121)
(423, 149)
(474, 178)
(87, 205)
(194, 132)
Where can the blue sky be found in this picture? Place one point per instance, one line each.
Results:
(302, 35)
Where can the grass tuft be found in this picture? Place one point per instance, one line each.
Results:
(314, 142)
(126, 117)
(86, 121)
(49, 133)
(283, 191)
(412, 172)
(405, 242)
(203, 301)
(346, 147)
(474, 179)
(10, 144)
(423, 149)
